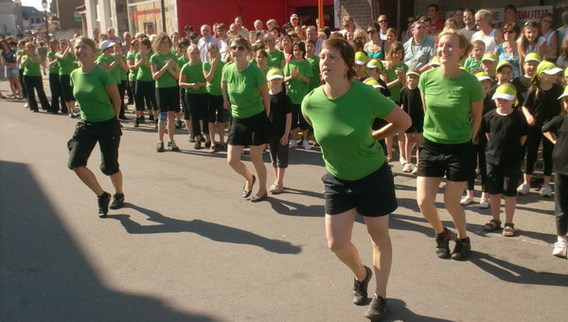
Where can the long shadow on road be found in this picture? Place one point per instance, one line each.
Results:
(44, 276)
(213, 231)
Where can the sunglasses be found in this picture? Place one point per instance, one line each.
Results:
(238, 48)
(371, 31)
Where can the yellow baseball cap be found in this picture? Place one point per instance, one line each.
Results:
(547, 68)
(506, 92)
(360, 58)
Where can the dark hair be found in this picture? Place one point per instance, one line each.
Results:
(395, 46)
(512, 26)
(326, 30)
(510, 7)
(346, 52)
(239, 40)
(146, 42)
(470, 10)
(357, 45)
(375, 25)
(433, 5)
(300, 46)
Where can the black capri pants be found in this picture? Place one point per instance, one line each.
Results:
(198, 108)
(561, 203)
(533, 141)
(66, 88)
(87, 134)
(215, 109)
(35, 83)
(145, 91)
(56, 94)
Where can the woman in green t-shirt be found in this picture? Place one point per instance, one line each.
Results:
(245, 86)
(145, 89)
(97, 94)
(67, 63)
(132, 71)
(165, 71)
(31, 62)
(358, 179)
(275, 57)
(192, 80)
(218, 116)
(453, 103)
(54, 84)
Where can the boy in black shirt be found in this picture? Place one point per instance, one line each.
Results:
(281, 120)
(556, 130)
(506, 130)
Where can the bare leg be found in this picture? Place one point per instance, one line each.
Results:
(510, 205)
(452, 195)
(234, 159)
(161, 130)
(116, 180)
(89, 179)
(212, 128)
(388, 142)
(495, 202)
(378, 228)
(408, 139)
(426, 188)
(401, 149)
(527, 179)
(338, 230)
(260, 168)
(280, 176)
(171, 125)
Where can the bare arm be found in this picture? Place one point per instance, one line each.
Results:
(476, 114)
(398, 122)
(226, 104)
(549, 135)
(211, 73)
(265, 98)
(112, 91)
(156, 74)
(284, 138)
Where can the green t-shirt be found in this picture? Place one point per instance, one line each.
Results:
(166, 80)
(472, 66)
(275, 58)
(342, 127)
(243, 88)
(214, 87)
(21, 53)
(66, 65)
(316, 80)
(391, 75)
(131, 58)
(54, 69)
(32, 68)
(90, 91)
(194, 74)
(182, 60)
(448, 105)
(115, 72)
(122, 72)
(144, 72)
(297, 88)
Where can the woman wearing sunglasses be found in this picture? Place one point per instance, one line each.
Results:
(374, 48)
(245, 91)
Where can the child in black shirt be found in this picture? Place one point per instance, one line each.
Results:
(411, 103)
(281, 120)
(506, 131)
(556, 130)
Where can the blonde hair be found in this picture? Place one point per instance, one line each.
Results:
(158, 40)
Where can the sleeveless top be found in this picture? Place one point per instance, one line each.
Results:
(489, 40)
(377, 55)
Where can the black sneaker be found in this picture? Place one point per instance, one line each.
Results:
(160, 147)
(360, 288)
(197, 144)
(103, 201)
(208, 144)
(173, 146)
(192, 139)
(443, 243)
(117, 201)
(151, 117)
(137, 122)
(462, 249)
(377, 309)
(178, 124)
(142, 119)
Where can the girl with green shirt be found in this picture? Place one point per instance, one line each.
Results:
(54, 84)
(96, 91)
(315, 81)
(218, 116)
(32, 78)
(395, 79)
(165, 72)
(145, 89)
(260, 59)
(358, 179)
(453, 104)
(132, 71)
(192, 80)
(298, 74)
(275, 57)
(67, 63)
(245, 86)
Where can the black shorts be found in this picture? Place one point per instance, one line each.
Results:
(216, 110)
(372, 196)
(455, 161)
(503, 179)
(278, 153)
(168, 99)
(298, 120)
(86, 135)
(255, 130)
(66, 89)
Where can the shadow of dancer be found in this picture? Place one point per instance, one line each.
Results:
(213, 231)
(399, 312)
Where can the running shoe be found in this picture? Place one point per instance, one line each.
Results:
(560, 248)
(443, 243)
(117, 201)
(173, 146)
(407, 168)
(466, 200)
(293, 144)
(545, 191)
(415, 171)
(462, 249)
(523, 189)
(306, 145)
(160, 147)
(377, 309)
(103, 202)
(360, 288)
(483, 203)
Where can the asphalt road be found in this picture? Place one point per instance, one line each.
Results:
(188, 247)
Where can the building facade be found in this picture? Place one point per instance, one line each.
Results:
(104, 14)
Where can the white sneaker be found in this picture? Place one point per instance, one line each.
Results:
(545, 191)
(306, 144)
(523, 189)
(402, 161)
(560, 248)
(27, 105)
(415, 171)
(293, 144)
(466, 200)
(407, 168)
(484, 203)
